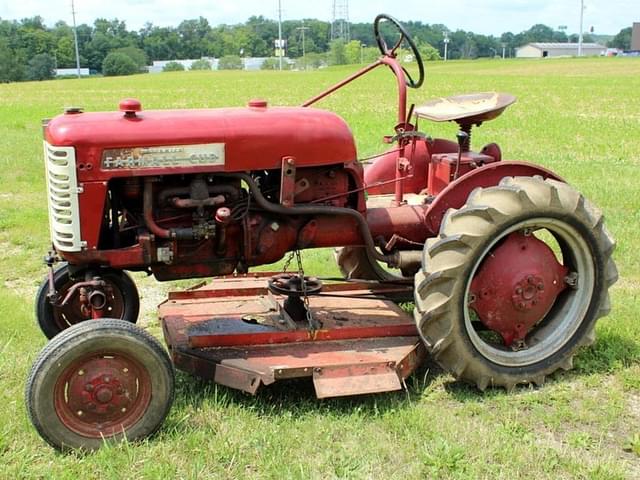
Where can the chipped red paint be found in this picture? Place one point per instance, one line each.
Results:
(516, 286)
(366, 344)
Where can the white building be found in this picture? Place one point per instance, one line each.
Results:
(544, 50)
(68, 72)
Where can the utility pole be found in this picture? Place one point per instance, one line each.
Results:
(302, 29)
(504, 46)
(446, 43)
(75, 37)
(280, 49)
(581, 28)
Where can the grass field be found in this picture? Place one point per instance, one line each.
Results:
(579, 117)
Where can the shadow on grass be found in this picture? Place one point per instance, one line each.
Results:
(297, 397)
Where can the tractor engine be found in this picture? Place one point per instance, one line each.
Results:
(164, 192)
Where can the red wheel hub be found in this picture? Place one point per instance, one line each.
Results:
(516, 286)
(102, 395)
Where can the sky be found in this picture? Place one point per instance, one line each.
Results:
(479, 16)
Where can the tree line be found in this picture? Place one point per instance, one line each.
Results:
(29, 50)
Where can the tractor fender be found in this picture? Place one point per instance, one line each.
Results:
(456, 193)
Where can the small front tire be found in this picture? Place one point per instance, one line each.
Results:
(99, 381)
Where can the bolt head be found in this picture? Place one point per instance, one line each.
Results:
(540, 286)
(88, 387)
(518, 291)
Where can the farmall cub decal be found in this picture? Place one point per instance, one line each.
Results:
(208, 154)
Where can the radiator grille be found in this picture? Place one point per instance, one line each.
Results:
(62, 193)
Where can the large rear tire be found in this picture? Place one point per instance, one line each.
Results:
(444, 311)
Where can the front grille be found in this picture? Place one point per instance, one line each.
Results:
(62, 193)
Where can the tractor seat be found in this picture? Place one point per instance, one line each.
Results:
(466, 109)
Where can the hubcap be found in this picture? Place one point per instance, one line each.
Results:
(516, 286)
(533, 301)
(102, 395)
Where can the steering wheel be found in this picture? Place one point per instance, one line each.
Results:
(391, 52)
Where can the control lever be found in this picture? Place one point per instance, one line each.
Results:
(463, 145)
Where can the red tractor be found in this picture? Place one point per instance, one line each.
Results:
(508, 265)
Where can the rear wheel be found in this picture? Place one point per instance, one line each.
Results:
(98, 381)
(121, 300)
(514, 283)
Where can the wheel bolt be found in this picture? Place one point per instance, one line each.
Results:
(88, 387)
(91, 406)
(530, 279)
(518, 291)
(540, 286)
(123, 409)
(125, 370)
(79, 413)
(522, 305)
(106, 379)
(80, 372)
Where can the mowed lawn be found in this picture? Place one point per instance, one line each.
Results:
(579, 117)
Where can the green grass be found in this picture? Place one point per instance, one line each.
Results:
(580, 118)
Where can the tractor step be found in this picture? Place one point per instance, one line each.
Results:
(235, 332)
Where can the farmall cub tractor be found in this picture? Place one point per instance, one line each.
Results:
(509, 266)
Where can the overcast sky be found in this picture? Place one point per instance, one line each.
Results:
(484, 16)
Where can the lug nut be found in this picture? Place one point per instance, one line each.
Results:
(518, 291)
(540, 286)
(88, 387)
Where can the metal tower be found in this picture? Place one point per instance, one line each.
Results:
(340, 20)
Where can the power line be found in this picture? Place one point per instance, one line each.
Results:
(340, 20)
(75, 37)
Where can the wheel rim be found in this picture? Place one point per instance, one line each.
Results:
(101, 395)
(562, 321)
(71, 313)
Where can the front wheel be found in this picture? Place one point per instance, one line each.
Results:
(514, 283)
(121, 300)
(97, 381)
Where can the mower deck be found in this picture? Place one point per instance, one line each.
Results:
(237, 333)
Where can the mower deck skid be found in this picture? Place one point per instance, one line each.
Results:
(235, 332)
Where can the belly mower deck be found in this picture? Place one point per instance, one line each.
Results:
(236, 332)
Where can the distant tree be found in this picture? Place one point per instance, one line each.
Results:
(586, 38)
(337, 53)
(118, 63)
(271, 63)
(135, 54)
(12, 67)
(41, 67)
(173, 67)
(230, 62)
(428, 52)
(65, 53)
(352, 52)
(622, 40)
(202, 64)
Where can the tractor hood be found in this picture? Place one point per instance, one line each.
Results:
(133, 141)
